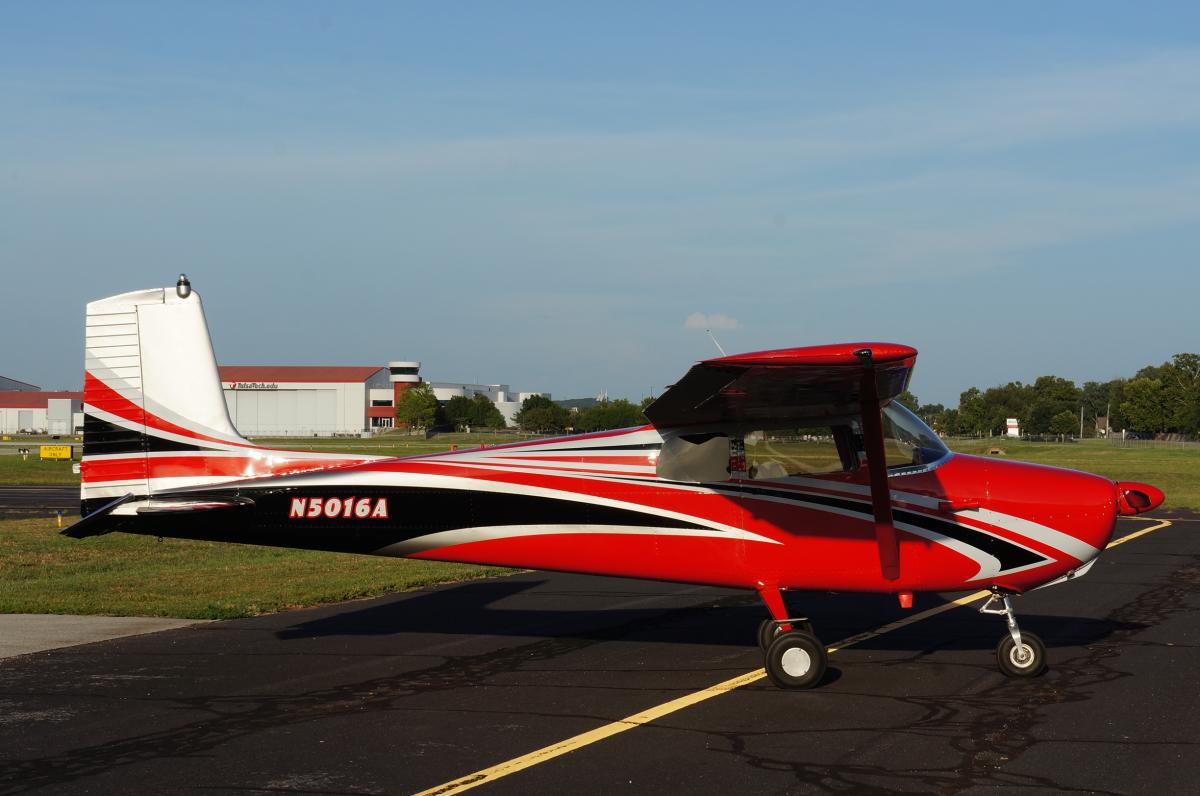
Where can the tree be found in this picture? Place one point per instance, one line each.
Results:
(1145, 407)
(1052, 395)
(908, 401)
(476, 412)
(1064, 423)
(458, 411)
(972, 411)
(538, 413)
(418, 407)
(609, 414)
(946, 423)
(484, 413)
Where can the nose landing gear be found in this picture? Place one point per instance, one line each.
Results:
(1018, 654)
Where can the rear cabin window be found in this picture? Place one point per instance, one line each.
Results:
(781, 453)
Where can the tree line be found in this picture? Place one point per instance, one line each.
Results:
(541, 415)
(1158, 399)
(418, 407)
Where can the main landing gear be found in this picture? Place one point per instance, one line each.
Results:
(792, 655)
(1019, 654)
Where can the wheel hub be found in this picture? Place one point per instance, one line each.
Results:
(796, 662)
(1021, 656)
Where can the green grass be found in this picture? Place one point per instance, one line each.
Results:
(124, 575)
(14, 470)
(1176, 471)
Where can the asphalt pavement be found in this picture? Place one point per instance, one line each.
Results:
(17, 502)
(412, 691)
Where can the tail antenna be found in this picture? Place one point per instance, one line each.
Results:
(714, 339)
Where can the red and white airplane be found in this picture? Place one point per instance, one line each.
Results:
(791, 469)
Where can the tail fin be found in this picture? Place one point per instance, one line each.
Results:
(152, 396)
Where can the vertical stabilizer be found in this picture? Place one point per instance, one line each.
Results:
(152, 395)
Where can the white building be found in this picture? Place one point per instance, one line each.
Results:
(1012, 427)
(305, 401)
(30, 412)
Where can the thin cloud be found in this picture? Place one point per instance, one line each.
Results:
(698, 320)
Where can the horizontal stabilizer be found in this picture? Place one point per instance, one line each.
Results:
(188, 506)
(97, 522)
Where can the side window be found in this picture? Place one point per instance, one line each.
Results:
(780, 453)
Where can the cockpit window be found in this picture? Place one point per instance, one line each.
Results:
(907, 441)
(908, 444)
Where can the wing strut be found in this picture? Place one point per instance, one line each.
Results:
(881, 497)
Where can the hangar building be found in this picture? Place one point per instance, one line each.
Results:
(37, 412)
(305, 401)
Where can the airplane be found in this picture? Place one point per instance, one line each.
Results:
(785, 470)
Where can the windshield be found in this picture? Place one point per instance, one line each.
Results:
(908, 442)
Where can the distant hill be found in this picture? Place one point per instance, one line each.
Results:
(577, 403)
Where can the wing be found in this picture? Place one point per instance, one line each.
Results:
(787, 386)
(799, 387)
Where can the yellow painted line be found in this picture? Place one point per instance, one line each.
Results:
(591, 736)
(1130, 537)
(561, 748)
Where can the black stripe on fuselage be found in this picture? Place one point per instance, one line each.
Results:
(412, 512)
(101, 438)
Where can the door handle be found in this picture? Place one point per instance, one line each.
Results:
(958, 504)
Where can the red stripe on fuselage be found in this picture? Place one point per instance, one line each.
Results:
(100, 395)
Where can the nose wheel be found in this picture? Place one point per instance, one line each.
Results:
(1018, 654)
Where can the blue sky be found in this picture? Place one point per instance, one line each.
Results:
(562, 196)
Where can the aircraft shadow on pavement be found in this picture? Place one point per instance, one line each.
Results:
(529, 607)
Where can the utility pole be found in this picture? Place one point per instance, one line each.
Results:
(1081, 421)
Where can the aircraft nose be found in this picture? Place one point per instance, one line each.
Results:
(1135, 498)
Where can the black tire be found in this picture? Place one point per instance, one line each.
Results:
(768, 629)
(1015, 664)
(796, 659)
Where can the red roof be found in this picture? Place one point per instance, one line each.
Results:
(299, 373)
(26, 399)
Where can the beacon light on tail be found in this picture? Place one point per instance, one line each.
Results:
(790, 469)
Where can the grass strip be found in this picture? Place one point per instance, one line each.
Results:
(125, 575)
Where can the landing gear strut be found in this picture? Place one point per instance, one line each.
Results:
(1019, 654)
(768, 629)
(792, 655)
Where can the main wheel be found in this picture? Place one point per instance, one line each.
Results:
(768, 629)
(1028, 660)
(796, 659)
